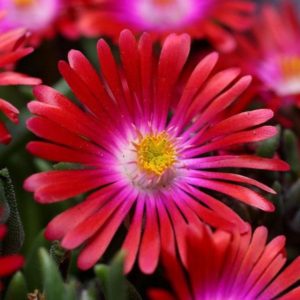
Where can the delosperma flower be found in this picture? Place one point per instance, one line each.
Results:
(9, 263)
(221, 266)
(206, 19)
(31, 14)
(272, 55)
(148, 147)
(43, 18)
(12, 49)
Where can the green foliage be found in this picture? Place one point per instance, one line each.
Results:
(17, 289)
(112, 277)
(291, 151)
(53, 285)
(115, 285)
(32, 269)
(15, 236)
(269, 147)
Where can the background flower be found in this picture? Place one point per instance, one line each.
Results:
(12, 48)
(43, 18)
(200, 18)
(224, 266)
(9, 263)
(272, 55)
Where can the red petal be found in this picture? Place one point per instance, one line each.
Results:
(150, 244)
(10, 264)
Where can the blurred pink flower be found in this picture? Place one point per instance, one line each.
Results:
(272, 55)
(12, 48)
(200, 18)
(221, 266)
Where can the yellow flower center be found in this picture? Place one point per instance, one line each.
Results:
(162, 2)
(290, 66)
(156, 153)
(23, 3)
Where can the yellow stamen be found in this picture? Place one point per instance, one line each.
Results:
(23, 3)
(156, 153)
(290, 66)
(162, 2)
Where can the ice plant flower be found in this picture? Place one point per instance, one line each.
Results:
(9, 263)
(272, 55)
(200, 18)
(44, 18)
(12, 49)
(222, 266)
(31, 14)
(146, 146)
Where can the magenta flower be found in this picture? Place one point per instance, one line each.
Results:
(272, 55)
(200, 18)
(221, 266)
(35, 15)
(147, 147)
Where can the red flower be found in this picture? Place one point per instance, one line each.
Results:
(145, 145)
(222, 266)
(272, 55)
(43, 18)
(9, 263)
(12, 49)
(200, 18)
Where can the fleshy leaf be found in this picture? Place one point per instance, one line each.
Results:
(17, 288)
(53, 282)
(15, 237)
(268, 148)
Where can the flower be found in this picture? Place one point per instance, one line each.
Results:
(44, 18)
(272, 55)
(200, 18)
(234, 267)
(9, 263)
(12, 49)
(142, 159)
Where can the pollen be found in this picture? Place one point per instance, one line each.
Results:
(291, 66)
(23, 3)
(162, 2)
(156, 153)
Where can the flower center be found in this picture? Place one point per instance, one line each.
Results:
(156, 153)
(162, 2)
(23, 3)
(290, 69)
(290, 66)
(160, 15)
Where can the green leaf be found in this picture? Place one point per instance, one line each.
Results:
(67, 166)
(269, 147)
(15, 236)
(53, 282)
(291, 151)
(70, 291)
(89, 45)
(17, 288)
(116, 288)
(112, 278)
(101, 272)
(32, 269)
(42, 165)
